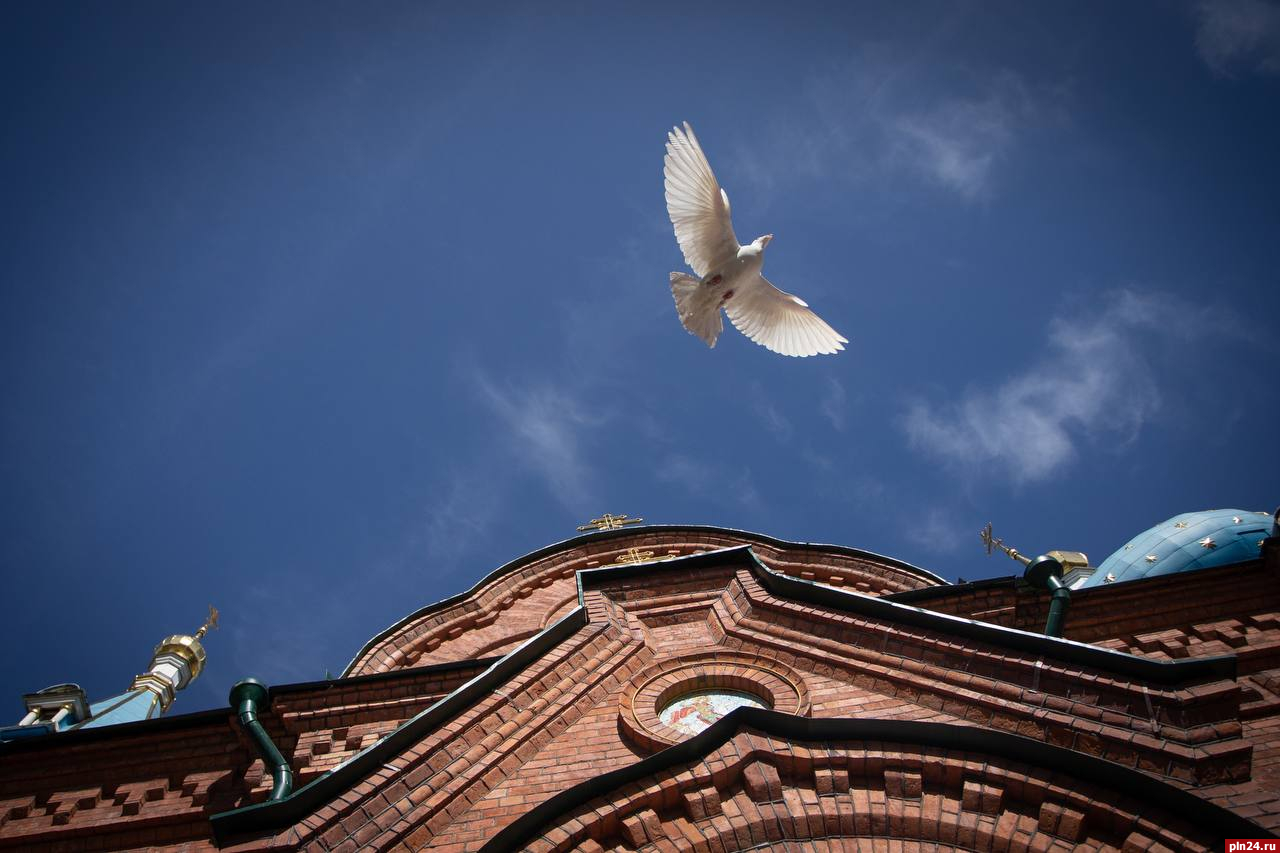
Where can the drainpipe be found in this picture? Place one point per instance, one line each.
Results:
(1046, 573)
(246, 698)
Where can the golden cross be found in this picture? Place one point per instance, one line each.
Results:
(992, 543)
(210, 622)
(634, 555)
(609, 521)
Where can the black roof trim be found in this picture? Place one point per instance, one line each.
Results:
(194, 719)
(1164, 672)
(326, 787)
(82, 736)
(1202, 814)
(619, 533)
(931, 592)
(373, 677)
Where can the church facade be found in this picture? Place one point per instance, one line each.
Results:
(697, 688)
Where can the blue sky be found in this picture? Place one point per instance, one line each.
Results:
(321, 312)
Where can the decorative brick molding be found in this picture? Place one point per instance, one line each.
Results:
(774, 683)
(752, 787)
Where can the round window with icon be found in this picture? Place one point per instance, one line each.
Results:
(683, 696)
(693, 712)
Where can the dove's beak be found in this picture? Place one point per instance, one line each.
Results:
(764, 241)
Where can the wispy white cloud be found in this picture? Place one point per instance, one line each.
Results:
(1239, 35)
(1096, 379)
(769, 415)
(701, 479)
(545, 429)
(940, 533)
(457, 517)
(883, 117)
(833, 403)
(957, 142)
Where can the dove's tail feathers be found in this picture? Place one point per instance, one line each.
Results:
(697, 306)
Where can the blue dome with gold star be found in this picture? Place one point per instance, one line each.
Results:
(1187, 543)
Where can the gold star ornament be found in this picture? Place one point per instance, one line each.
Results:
(1207, 542)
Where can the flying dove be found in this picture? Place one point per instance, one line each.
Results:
(728, 273)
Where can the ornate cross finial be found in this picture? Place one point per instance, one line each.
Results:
(635, 555)
(992, 543)
(609, 521)
(211, 621)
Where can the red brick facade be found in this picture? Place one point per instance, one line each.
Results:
(900, 713)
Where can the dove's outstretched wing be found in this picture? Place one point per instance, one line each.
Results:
(699, 208)
(781, 322)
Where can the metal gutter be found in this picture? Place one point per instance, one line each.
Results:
(622, 533)
(328, 786)
(246, 697)
(1202, 814)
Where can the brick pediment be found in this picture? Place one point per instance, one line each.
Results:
(521, 598)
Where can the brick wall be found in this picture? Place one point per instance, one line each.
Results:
(558, 722)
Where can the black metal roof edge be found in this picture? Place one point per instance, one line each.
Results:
(1167, 672)
(1199, 812)
(622, 532)
(272, 815)
(76, 737)
(1164, 672)
(602, 574)
(392, 675)
(197, 718)
(928, 592)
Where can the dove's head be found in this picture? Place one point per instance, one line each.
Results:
(763, 241)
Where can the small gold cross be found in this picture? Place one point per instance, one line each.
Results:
(635, 555)
(608, 521)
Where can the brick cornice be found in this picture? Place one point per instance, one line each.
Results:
(570, 816)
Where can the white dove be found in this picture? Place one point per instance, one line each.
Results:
(729, 273)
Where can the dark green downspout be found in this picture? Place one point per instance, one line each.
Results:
(246, 698)
(1046, 573)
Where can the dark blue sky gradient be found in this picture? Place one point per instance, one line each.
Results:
(321, 312)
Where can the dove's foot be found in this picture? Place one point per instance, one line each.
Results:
(728, 294)
(715, 279)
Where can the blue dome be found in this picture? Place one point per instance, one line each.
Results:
(1187, 543)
